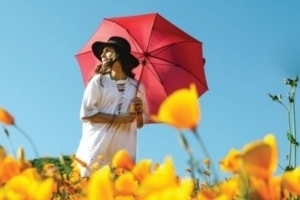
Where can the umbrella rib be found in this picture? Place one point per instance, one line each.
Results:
(170, 45)
(173, 64)
(156, 74)
(151, 32)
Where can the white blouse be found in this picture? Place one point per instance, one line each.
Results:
(105, 139)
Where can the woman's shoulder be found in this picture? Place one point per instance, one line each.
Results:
(97, 77)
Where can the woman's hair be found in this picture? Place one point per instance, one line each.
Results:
(125, 63)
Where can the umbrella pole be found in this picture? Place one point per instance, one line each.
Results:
(131, 107)
(139, 81)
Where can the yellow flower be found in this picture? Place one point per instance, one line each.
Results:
(126, 184)
(232, 162)
(222, 191)
(74, 177)
(100, 158)
(206, 194)
(181, 109)
(9, 168)
(262, 189)
(161, 179)
(122, 160)
(125, 197)
(2, 153)
(48, 166)
(291, 181)
(260, 158)
(95, 167)
(176, 192)
(100, 185)
(6, 118)
(29, 185)
(230, 187)
(206, 161)
(142, 170)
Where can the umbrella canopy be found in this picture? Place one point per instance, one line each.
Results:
(170, 59)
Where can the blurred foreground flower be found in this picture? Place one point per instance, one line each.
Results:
(255, 165)
(181, 109)
(28, 185)
(122, 160)
(260, 158)
(291, 181)
(6, 118)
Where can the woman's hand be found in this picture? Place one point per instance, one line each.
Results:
(138, 104)
(128, 117)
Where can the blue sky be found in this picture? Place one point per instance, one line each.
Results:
(249, 46)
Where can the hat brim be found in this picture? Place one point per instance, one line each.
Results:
(98, 47)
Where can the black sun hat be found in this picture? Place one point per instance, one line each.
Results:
(120, 44)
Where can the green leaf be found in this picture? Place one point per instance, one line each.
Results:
(292, 139)
(291, 98)
(276, 97)
(6, 131)
(289, 168)
(64, 168)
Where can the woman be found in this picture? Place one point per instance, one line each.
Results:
(111, 110)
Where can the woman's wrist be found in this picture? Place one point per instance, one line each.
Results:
(113, 118)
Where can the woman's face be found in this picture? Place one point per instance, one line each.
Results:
(107, 54)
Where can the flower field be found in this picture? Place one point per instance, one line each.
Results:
(252, 168)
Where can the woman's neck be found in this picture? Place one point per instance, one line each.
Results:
(116, 76)
(117, 73)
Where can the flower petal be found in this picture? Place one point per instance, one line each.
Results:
(291, 181)
(126, 184)
(6, 118)
(142, 169)
(100, 185)
(122, 160)
(260, 158)
(181, 109)
(232, 162)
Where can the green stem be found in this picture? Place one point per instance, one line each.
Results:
(10, 142)
(289, 131)
(283, 105)
(188, 150)
(29, 139)
(295, 135)
(202, 145)
(191, 158)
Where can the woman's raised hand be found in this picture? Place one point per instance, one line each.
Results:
(128, 117)
(138, 104)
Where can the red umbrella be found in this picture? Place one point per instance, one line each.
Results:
(170, 59)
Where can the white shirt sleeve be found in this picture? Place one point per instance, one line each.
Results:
(91, 98)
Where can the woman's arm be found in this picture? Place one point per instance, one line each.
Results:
(100, 118)
(140, 120)
(142, 107)
(110, 118)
